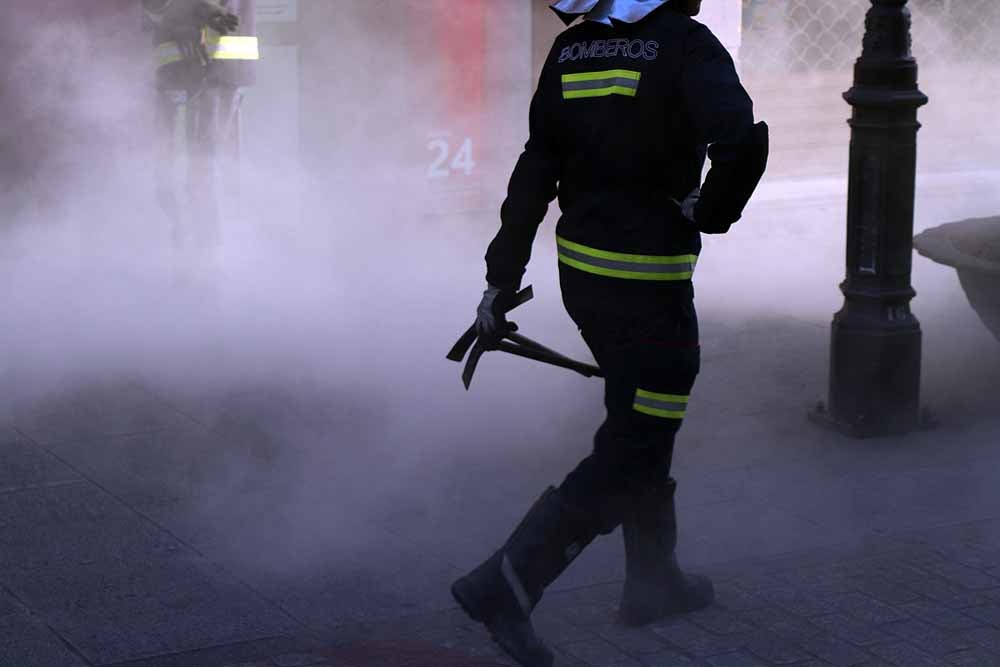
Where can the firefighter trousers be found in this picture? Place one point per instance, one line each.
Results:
(209, 117)
(650, 363)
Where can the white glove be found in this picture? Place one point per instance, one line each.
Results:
(687, 206)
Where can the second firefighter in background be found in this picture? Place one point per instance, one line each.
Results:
(629, 101)
(205, 55)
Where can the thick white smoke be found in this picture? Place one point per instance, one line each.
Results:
(341, 313)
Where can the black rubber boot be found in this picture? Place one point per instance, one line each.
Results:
(655, 587)
(502, 592)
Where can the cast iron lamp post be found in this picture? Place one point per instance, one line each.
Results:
(876, 340)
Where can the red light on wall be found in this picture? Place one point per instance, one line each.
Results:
(452, 45)
(460, 29)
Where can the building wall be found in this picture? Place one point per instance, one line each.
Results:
(56, 60)
(823, 35)
(431, 96)
(422, 93)
(797, 60)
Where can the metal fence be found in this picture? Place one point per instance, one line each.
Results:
(818, 35)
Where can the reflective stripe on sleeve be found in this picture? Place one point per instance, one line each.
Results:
(624, 265)
(233, 48)
(167, 53)
(666, 406)
(600, 84)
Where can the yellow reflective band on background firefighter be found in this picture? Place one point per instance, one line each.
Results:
(623, 265)
(167, 53)
(600, 84)
(666, 406)
(232, 48)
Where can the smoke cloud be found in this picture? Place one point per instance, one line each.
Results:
(314, 348)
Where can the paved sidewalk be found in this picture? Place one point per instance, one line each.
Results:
(916, 598)
(930, 598)
(154, 530)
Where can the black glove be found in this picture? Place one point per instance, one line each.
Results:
(184, 20)
(216, 17)
(491, 316)
(224, 23)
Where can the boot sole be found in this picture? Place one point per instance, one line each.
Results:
(463, 602)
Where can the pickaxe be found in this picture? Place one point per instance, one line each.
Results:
(515, 344)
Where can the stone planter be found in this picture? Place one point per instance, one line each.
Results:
(972, 247)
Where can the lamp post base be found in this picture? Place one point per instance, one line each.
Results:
(874, 374)
(862, 430)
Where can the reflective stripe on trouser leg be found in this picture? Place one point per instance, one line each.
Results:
(663, 406)
(652, 365)
(167, 53)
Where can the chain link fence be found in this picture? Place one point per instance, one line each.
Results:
(825, 35)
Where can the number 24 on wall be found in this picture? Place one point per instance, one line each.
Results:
(445, 162)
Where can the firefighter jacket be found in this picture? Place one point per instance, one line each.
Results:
(619, 128)
(188, 53)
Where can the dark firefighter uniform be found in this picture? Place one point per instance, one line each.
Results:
(205, 53)
(619, 128)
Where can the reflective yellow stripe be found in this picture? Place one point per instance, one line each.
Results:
(624, 265)
(167, 53)
(601, 84)
(233, 48)
(666, 406)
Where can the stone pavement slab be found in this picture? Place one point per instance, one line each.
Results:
(921, 598)
(97, 411)
(23, 465)
(117, 614)
(401, 654)
(26, 641)
(73, 524)
(258, 653)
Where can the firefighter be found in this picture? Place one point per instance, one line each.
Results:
(629, 102)
(205, 53)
